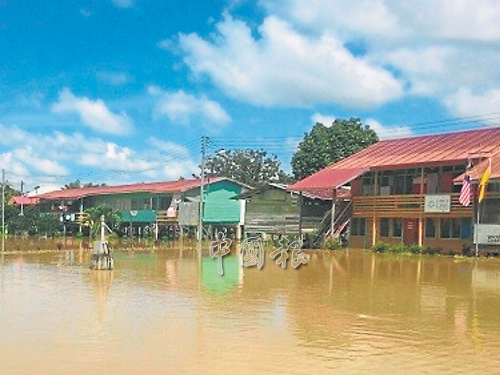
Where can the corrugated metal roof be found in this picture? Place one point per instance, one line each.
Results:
(26, 201)
(150, 187)
(435, 149)
(325, 179)
(424, 150)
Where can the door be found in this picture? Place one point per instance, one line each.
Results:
(410, 235)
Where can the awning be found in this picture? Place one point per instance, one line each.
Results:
(328, 179)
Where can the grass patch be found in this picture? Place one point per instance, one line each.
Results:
(402, 249)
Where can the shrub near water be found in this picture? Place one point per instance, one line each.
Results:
(401, 248)
(332, 244)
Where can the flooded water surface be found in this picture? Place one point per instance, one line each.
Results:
(169, 312)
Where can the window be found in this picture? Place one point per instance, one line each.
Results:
(397, 227)
(368, 184)
(456, 228)
(445, 228)
(430, 228)
(404, 180)
(358, 226)
(385, 224)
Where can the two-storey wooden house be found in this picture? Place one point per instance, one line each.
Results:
(407, 190)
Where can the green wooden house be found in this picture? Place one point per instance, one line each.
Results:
(158, 206)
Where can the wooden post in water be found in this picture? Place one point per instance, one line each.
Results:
(476, 232)
(332, 227)
(421, 218)
(374, 224)
(300, 216)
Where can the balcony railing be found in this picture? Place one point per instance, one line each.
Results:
(167, 216)
(402, 206)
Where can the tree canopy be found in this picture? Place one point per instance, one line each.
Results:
(323, 145)
(251, 167)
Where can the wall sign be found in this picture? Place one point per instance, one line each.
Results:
(488, 234)
(437, 203)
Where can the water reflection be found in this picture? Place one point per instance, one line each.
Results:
(168, 311)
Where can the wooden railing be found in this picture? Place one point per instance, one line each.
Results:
(402, 205)
(164, 217)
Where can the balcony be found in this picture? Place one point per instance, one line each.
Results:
(169, 216)
(411, 205)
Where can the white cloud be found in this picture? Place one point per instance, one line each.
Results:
(38, 158)
(322, 119)
(122, 4)
(435, 46)
(182, 108)
(395, 20)
(464, 103)
(286, 68)
(385, 132)
(94, 114)
(169, 147)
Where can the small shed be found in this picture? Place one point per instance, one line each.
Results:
(272, 210)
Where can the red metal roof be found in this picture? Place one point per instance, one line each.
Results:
(435, 149)
(325, 179)
(151, 187)
(26, 201)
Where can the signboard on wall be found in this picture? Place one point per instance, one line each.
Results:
(488, 234)
(437, 203)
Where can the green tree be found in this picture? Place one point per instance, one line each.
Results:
(251, 167)
(112, 218)
(323, 145)
(33, 222)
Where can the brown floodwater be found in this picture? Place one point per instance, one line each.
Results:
(168, 311)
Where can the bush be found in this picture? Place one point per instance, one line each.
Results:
(381, 248)
(399, 248)
(415, 249)
(332, 244)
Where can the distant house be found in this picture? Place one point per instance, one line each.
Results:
(272, 210)
(158, 204)
(407, 190)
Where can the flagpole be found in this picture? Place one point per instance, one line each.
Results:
(476, 234)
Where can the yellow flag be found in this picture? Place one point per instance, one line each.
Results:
(484, 181)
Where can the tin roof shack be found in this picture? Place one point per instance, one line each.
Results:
(407, 190)
(163, 206)
(272, 210)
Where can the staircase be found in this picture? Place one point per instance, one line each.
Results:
(342, 216)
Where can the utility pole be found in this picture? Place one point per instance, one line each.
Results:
(3, 211)
(204, 141)
(22, 203)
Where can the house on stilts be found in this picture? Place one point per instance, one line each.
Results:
(407, 190)
(156, 208)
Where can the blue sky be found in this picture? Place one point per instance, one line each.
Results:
(121, 91)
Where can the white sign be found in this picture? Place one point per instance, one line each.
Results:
(488, 234)
(437, 203)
